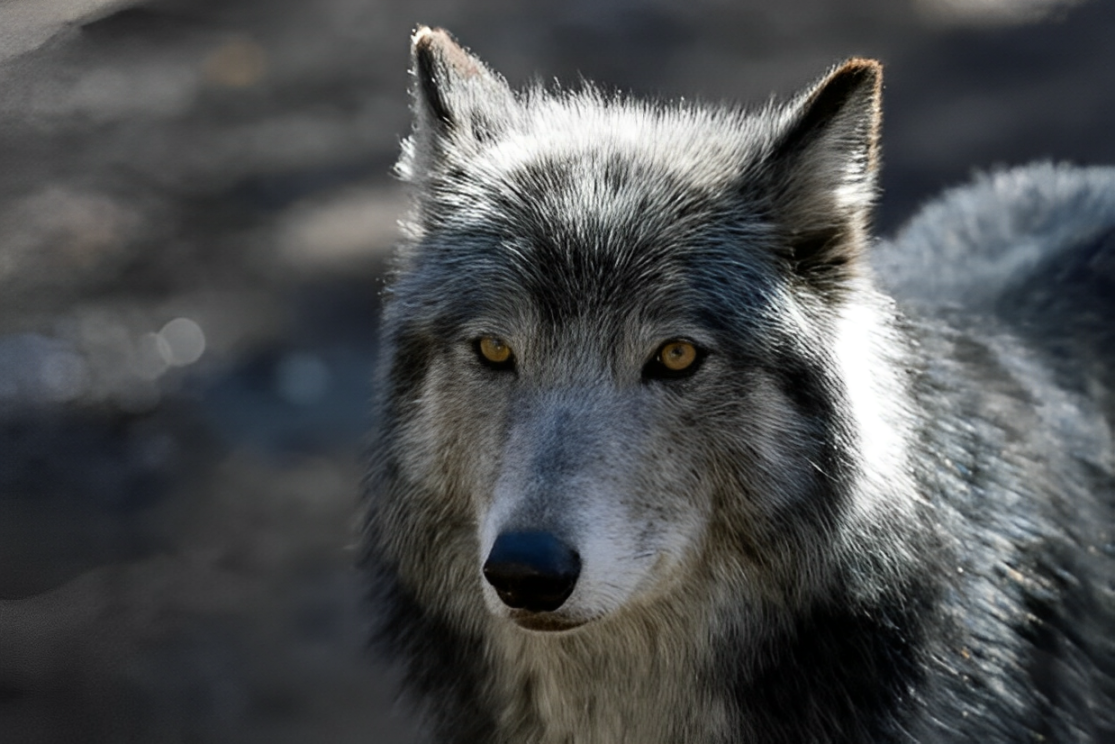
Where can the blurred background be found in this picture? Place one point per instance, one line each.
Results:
(195, 210)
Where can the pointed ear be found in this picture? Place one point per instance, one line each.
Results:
(824, 165)
(456, 98)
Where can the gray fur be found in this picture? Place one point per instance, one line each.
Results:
(855, 521)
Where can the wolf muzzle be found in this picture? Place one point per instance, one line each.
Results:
(532, 571)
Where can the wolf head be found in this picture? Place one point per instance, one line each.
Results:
(632, 352)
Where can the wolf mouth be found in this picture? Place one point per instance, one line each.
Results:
(544, 622)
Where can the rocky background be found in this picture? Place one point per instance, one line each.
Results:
(195, 208)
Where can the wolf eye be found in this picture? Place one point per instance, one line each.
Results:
(677, 355)
(494, 352)
(673, 359)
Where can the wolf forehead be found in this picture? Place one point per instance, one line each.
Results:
(578, 199)
(597, 173)
(581, 146)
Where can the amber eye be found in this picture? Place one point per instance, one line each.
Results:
(673, 359)
(494, 352)
(677, 355)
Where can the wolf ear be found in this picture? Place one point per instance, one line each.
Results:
(456, 98)
(824, 167)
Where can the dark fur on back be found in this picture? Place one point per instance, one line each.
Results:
(856, 518)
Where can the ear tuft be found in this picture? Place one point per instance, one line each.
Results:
(458, 104)
(453, 88)
(441, 65)
(847, 101)
(824, 164)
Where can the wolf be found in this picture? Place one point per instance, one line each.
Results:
(667, 450)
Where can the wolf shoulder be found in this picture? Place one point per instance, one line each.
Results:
(1020, 263)
(1040, 226)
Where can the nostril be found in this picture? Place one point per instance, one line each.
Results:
(532, 570)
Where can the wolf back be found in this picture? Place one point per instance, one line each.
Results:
(658, 460)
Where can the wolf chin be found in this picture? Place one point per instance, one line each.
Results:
(662, 454)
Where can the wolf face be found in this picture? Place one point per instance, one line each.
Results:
(621, 339)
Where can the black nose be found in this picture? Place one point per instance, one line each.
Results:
(532, 570)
